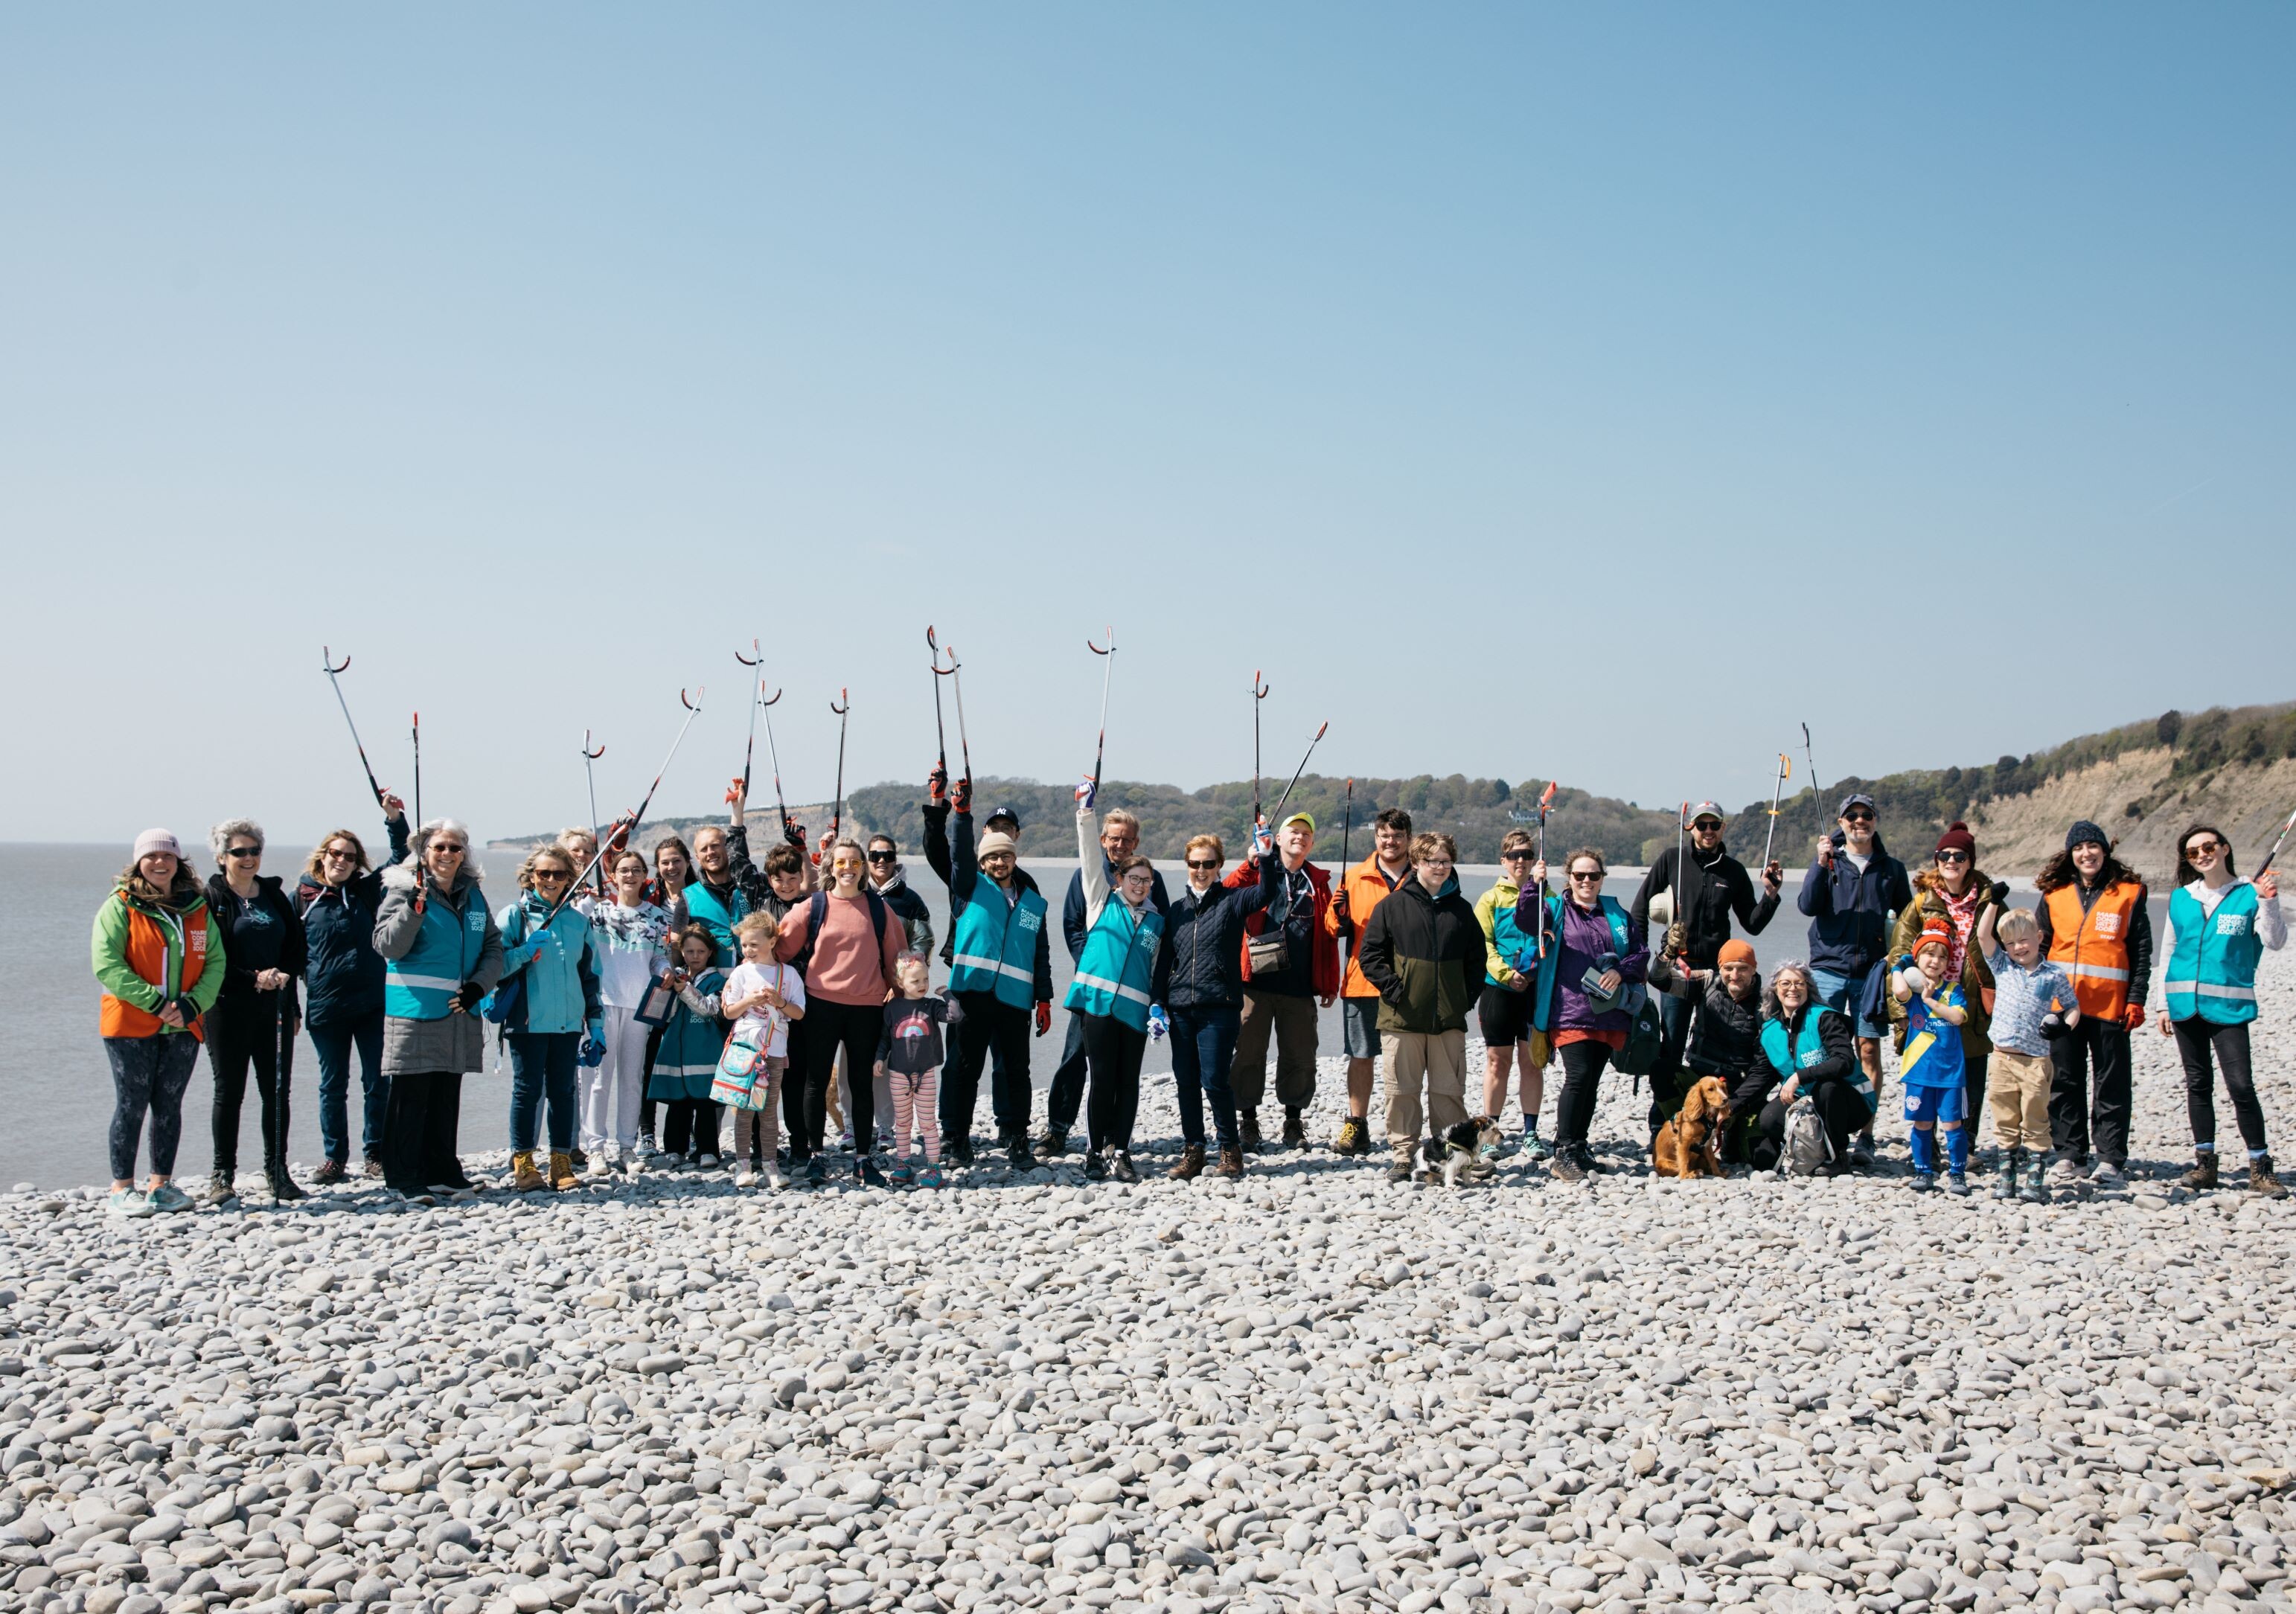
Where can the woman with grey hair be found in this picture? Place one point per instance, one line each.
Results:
(442, 954)
(255, 1019)
(1813, 1053)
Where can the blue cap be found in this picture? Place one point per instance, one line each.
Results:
(1003, 812)
(1858, 799)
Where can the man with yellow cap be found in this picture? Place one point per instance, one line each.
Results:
(1290, 963)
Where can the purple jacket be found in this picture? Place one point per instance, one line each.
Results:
(1585, 938)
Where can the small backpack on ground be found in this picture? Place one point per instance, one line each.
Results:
(1807, 1146)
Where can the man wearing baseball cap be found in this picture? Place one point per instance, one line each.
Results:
(1709, 888)
(1851, 893)
(1290, 960)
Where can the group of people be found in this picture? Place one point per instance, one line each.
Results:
(730, 1012)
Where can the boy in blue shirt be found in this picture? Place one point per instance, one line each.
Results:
(1932, 1070)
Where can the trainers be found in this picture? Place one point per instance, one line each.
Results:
(777, 1179)
(168, 1198)
(1295, 1130)
(867, 1172)
(1925, 1182)
(2012, 1170)
(745, 1179)
(1096, 1167)
(1566, 1169)
(1051, 1146)
(1534, 1147)
(1122, 1168)
(816, 1171)
(2263, 1180)
(1355, 1137)
(1398, 1171)
(647, 1144)
(1489, 1149)
(901, 1176)
(129, 1202)
(1956, 1182)
(372, 1170)
(2067, 1172)
(2106, 1176)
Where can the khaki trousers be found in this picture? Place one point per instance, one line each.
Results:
(1439, 1058)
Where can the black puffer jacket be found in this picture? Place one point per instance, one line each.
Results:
(1203, 938)
(262, 933)
(1715, 887)
(344, 972)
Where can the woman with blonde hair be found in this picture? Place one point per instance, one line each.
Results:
(555, 1021)
(337, 899)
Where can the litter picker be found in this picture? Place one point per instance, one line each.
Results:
(590, 775)
(331, 668)
(1816, 796)
(2265, 865)
(1313, 740)
(628, 823)
(1108, 666)
(418, 768)
(836, 813)
(1785, 768)
(757, 700)
(940, 731)
(1258, 694)
(1545, 806)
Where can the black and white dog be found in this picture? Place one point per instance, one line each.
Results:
(1458, 1153)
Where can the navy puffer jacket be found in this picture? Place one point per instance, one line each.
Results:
(343, 972)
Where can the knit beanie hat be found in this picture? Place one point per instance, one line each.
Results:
(1735, 952)
(1937, 931)
(157, 840)
(997, 840)
(2086, 830)
(1957, 838)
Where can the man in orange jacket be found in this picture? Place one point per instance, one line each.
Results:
(1362, 889)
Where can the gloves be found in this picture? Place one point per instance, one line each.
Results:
(188, 1011)
(1044, 1016)
(793, 832)
(594, 1048)
(2052, 1025)
(467, 997)
(937, 784)
(2132, 1017)
(1263, 841)
(962, 799)
(1087, 791)
(1158, 1027)
(2000, 893)
(1677, 939)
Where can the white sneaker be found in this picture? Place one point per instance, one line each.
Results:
(776, 1180)
(130, 1202)
(2105, 1175)
(748, 1179)
(2064, 1173)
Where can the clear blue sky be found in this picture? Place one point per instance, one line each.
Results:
(1636, 381)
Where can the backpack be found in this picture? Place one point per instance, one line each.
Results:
(1807, 1146)
(1640, 1056)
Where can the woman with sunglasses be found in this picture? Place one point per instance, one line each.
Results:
(1589, 987)
(1203, 998)
(2218, 927)
(1503, 1008)
(441, 955)
(550, 976)
(338, 897)
(1952, 889)
(255, 1019)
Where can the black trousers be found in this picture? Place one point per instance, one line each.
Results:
(646, 1104)
(1972, 1082)
(793, 1084)
(1114, 1050)
(1067, 1096)
(1838, 1106)
(2092, 1051)
(991, 1027)
(1582, 1077)
(243, 1031)
(419, 1140)
(855, 1028)
(690, 1127)
(2197, 1040)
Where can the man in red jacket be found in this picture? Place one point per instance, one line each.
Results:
(1298, 966)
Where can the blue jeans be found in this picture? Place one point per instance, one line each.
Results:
(1203, 1045)
(542, 1067)
(1843, 994)
(148, 1075)
(333, 1042)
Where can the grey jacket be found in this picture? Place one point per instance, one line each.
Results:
(458, 1042)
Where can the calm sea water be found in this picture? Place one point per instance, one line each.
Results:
(58, 1086)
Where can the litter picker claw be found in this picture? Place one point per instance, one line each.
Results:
(331, 668)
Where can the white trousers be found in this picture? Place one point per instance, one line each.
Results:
(612, 1092)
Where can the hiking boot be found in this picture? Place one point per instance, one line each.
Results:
(219, 1189)
(1121, 1168)
(2262, 1180)
(1355, 1137)
(1956, 1184)
(1190, 1166)
(563, 1176)
(1925, 1182)
(1247, 1126)
(1565, 1168)
(816, 1171)
(524, 1177)
(2013, 1170)
(1022, 1158)
(1861, 1152)
(329, 1174)
(284, 1187)
(372, 1170)
(580, 1160)
(2203, 1174)
(1231, 1164)
(960, 1150)
(1053, 1143)
(1399, 1169)
(1295, 1130)
(2036, 1189)
(1096, 1167)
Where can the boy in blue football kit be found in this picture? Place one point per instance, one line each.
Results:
(1936, 1097)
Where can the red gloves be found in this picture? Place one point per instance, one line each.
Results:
(963, 797)
(2133, 1016)
(1044, 1017)
(937, 784)
(793, 832)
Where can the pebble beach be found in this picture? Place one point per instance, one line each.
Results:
(1311, 1390)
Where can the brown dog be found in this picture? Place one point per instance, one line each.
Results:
(1687, 1146)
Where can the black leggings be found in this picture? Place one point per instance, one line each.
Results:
(990, 1025)
(646, 1104)
(2196, 1040)
(1838, 1106)
(1112, 1050)
(793, 1085)
(1582, 1077)
(240, 1030)
(690, 1127)
(855, 1028)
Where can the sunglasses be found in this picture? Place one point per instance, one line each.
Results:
(1203, 862)
(1953, 857)
(883, 856)
(552, 875)
(1516, 857)
(244, 852)
(455, 847)
(336, 855)
(1594, 874)
(1857, 817)
(1714, 824)
(2204, 849)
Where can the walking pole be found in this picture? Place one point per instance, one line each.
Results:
(1107, 665)
(418, 768)
(836, 813)
(1258, 694)
(2265, 867)
(940, 734)
(1313, 742)
(328, 665)
(590, 774)
(757, 688)
(629, 822)
(1785, 768)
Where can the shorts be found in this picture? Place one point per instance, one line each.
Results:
(1504, 1016)
(1359, 1027)
(1843, 993)
(1949, 1105)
